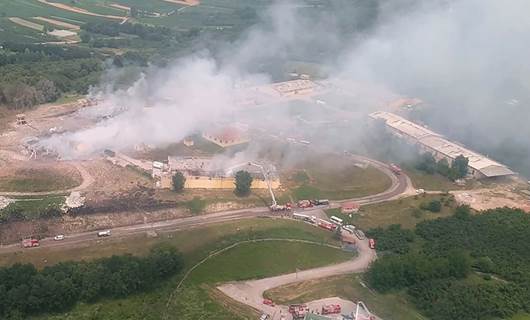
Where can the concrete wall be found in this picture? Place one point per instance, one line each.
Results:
(215, 183)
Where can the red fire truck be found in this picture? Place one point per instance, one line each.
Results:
(331, 309)
(30, 243)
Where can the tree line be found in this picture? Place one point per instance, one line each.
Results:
(457, 170)
(465, 266)
(25, 291)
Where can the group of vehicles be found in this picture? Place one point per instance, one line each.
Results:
(32, 242)
(303, 204)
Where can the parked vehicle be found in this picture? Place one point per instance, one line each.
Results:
(264, 317)
(326, 225)
(30, 243)
(304, 204)
(395, 168)
(320, 202)
(359, 234)
(105, 233)
(331, 309)
(58, 237)
(371, 243)
(349, 228)
(336, 220)
(268, 302)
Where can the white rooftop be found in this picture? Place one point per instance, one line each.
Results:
(439, 143)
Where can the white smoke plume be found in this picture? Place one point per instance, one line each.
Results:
(466, 58)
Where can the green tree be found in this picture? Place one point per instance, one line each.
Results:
(427, 163)
(177, 181)
(442, 167)
(459, 167)
(243, 183)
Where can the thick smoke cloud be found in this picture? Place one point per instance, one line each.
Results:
(467, 59)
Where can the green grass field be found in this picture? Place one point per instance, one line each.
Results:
(260, 260)
(435, 182)
(387, 306)
(195, 300)
(31, 208)
(334, 180)
(403, 211)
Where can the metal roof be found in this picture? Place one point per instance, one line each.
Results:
(437, 142)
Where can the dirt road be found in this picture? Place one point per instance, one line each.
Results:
(251, 292)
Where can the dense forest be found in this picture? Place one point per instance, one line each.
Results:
(461, 267)
(24, 290)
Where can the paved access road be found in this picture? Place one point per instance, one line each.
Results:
(251, 292)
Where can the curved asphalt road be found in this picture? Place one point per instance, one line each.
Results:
(401, 185)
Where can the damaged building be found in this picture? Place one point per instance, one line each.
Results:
(207, 173)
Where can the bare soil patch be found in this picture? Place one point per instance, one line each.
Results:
(185, 2)
(26, 23)
(79, 10)
(59, 23)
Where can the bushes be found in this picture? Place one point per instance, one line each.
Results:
(436, 277)
(433, 206)
(26, 291)
(458, 169)
(392, 239)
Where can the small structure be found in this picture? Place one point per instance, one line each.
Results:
(21, 119)
(349, 207)
(226, 137)
(188, 142)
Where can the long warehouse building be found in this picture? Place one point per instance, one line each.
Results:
(480, 166)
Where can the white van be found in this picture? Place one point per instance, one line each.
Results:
(105, 233)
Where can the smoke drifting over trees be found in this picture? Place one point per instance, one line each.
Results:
(467, 59)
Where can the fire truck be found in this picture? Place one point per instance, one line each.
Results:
(30, 243)
(371, 243)
(326, 225)
(331, 309)
(395, 168)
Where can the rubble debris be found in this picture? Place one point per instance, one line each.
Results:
(5, 202)
(74, 200)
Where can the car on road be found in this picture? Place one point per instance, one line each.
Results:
(105, 233)
(59, 237)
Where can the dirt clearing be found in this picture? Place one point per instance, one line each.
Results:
(185, 2)
(79, 10)
(26, 23)
(58, 23)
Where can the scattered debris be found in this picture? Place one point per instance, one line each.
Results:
(5, 202)
(74, 200)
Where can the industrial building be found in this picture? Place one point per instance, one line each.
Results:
(207, 173)
(427, 140)
(226, 136)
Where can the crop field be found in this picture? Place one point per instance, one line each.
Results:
(208, 13)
